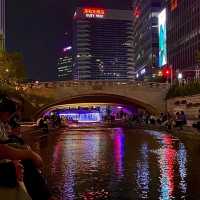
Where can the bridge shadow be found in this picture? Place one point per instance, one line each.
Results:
(97, 98)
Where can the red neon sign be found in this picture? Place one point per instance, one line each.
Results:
(95, 11)
(174, 4)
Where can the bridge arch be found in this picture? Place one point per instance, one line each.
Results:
(97, 98)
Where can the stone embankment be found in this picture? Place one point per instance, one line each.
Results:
(189, 104)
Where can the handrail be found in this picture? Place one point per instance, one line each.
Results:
(93, 83)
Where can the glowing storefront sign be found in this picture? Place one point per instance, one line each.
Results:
(83, 117)
(162, 38)
(94, 12)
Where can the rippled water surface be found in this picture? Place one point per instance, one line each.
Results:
(103, 163)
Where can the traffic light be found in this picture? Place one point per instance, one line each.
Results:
(166, 71)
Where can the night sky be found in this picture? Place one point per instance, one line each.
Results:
(37, 28)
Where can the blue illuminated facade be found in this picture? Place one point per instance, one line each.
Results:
(162, 38)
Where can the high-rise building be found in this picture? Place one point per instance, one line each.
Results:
(2, 24)
(103, 44)
(65, 64)
(146, 41)
(183, 34)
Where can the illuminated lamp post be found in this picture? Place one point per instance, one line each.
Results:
(180, 77)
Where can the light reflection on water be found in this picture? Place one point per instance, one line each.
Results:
(143, 173)
(119, 142)
(182, 160)
(117, 164)
(166, 160)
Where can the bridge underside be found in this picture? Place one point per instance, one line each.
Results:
(97, 98)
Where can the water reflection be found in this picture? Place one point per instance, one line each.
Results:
(119, 141)
(99, 164)
(143, 176)
(69, 173)
(182, 161)
(167, 160)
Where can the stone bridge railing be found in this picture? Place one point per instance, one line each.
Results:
(95, 84)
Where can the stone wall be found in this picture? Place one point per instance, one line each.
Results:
(190, 105)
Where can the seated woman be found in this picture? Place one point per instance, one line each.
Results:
(11, 171)
(9, 165)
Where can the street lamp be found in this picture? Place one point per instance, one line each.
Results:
(180, 76)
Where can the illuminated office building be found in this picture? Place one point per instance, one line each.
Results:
(102, 44)
(2, 24)
(183, 33)
(65, 64)
(146, 40)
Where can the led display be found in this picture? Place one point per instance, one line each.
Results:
(162, 38)
(94, 12)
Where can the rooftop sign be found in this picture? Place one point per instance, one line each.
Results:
(94, 12)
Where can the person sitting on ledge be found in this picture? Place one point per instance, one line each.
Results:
(19, 164)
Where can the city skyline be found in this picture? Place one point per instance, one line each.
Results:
(39, 35)
(146, 38)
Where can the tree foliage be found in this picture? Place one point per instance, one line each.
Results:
(12, 67)
(181, 90)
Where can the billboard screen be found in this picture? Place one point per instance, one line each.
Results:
(162, 38)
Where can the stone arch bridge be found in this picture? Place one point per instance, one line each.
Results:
(148, 95)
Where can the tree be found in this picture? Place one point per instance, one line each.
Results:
(12, 67)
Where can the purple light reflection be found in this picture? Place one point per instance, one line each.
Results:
(119, 142)
(63, 161)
